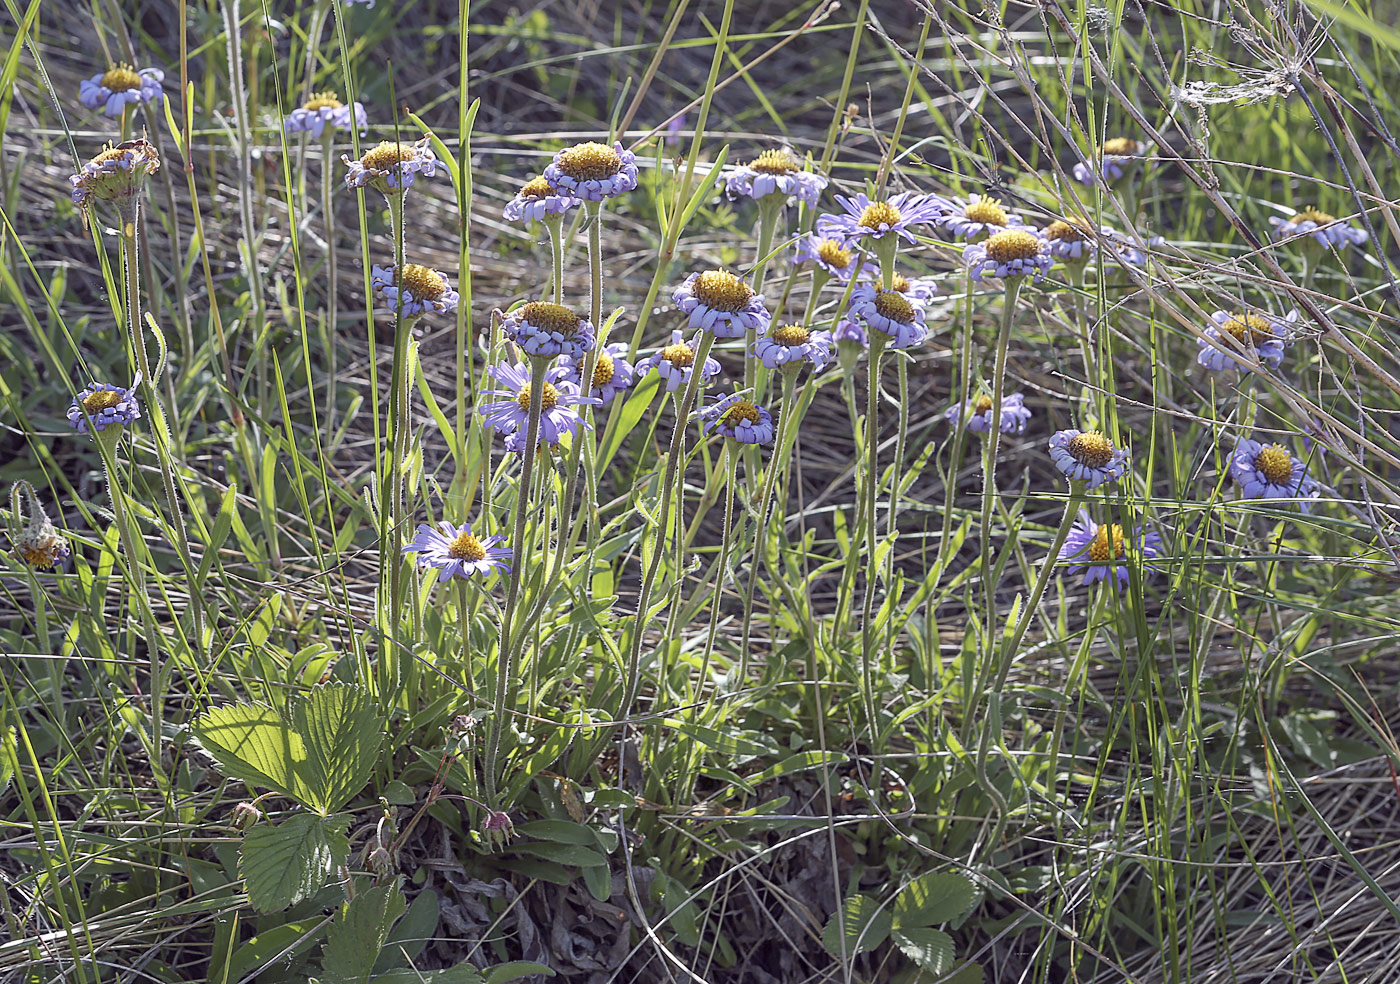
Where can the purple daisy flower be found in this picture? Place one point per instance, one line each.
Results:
(676, 361)
(592, 171)
(1087, 456)
(976, 218)
(733, 416)
(978, 414)
(1270, 471)
(890, 313)
(116, 175)
(850, 332)
(719, 302)
(1013, 253)
(1250, 331)
(919, 290)
(1074, 242)
(421, 289)
(612, 373)
(866, 219)
(773, 172)
(106, 405)
(792, 345)
(547, 330)
(1118, 155)
(831, 256)
(391, 167)
(1101, 551)
(121, 86)
(1321, 227)
(324, 109)
(457, 552)
(512, 413)
(537, 201)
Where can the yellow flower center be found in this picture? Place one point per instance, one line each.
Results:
(552, 317)
(1314, 215)
(775, 162)
(1122, 147)
(1091, 448)
(590, 162)
(386, 156)
(101, 400)
(901, 283)
(833, 255)
(464, 546)
(879, 214)
(893, 305)
(987, 210)
(721, 291)
(1013, 244)
(1065, 232)
(547, 400)
(1275, 464)
(603, 370)
(536, 188)
(984, 403)
(424, 283)
(790, 335)
(152, 164)
(121, 78)
(743, 410)
(1107, 544)
(679, 355)
(322, 100)
(1248, 327)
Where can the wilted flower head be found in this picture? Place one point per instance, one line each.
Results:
(544, 329)
(511, 413)
(735, 417)
(116, 175)
(831, 256)
(612, 373)
(1250, 331)
(1322, 228)
(1013, 253)
(792, 345)
(37, 541)
(979, 414)
(324, 109)
(773, 172)
(592, 171)
(1102, 552)
(1087, 456)
(418, 288)
(717, 301)
(976, 218)
(889, 312)
(120, 86)
(497, 828)
(537, 201)
(457, 552)
(675, 362)
(106, 405)
(243, 816)
(389, 167)
(1270, 471)
(873, 220)
(1117, 155)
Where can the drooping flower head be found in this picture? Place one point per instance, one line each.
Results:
(511, 413)
(1252, 332)
(1117, 156)
(850, 333)
(106, 405)
(975, 218)
(1322, 228)
(676, 362)
(592, 171)
(870, 221)
(537, 201)
(979, 413)
(889, 312)
(545, 329)
(1087, 456)
(391, 166)
(735, 417)
(1270, 471)
(612, 373)
(324, 109)
(773, 172)
(831, 256)
(121, 86)
(1013, 253)
(1102, 552)
(420, 289)
(117, 175)
(457, 552)
(792, 345)
(36, 540)
(717, 301)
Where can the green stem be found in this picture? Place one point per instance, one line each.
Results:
(990, 452)
(328, 218)
(727, 538)
(868, 540)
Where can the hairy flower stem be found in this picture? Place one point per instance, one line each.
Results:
(555, 225)
(539, 369)
(328, 217)
(728, 537)
(991, 446)
(464, 630)
(393, 496)
(868, 535)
